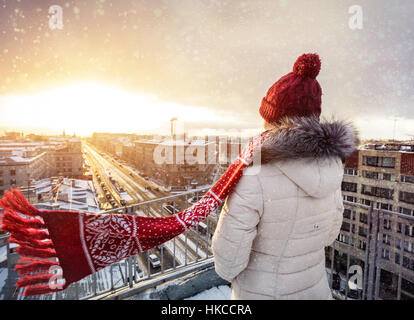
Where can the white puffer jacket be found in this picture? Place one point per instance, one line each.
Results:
(270, 239)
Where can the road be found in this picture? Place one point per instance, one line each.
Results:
(189, 246)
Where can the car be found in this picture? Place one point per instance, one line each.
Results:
(108, 196)
(123, 202)
(170, 209)
(139, 273)
(154, 260)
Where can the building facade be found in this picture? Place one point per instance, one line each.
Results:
(18, 171)
(381, 177)
(177, 164)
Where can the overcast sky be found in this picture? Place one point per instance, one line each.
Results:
(219, 55)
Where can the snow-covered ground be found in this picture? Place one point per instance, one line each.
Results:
(215, 293)
(3, 279)
(3, 253)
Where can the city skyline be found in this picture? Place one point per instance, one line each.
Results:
(207, 63)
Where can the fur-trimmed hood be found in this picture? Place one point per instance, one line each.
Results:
(307, 137)
(309, 153)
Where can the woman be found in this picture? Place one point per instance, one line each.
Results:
(270, 239)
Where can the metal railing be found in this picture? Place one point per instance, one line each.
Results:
(184, 252)
(373, 265)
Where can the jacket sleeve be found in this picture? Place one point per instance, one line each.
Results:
(237, 227)
(337, 218)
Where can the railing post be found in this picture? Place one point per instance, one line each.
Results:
(332, 264)
(379, 254)
(130, 259)
(372, 253)
(401, 261)
(367, 246)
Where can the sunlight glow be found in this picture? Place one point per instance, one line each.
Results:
(87, 107)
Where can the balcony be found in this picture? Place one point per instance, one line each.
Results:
(364, 267)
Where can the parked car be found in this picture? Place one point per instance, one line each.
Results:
(123, 202)
(170, 209)
(139, 273)
(154, 260)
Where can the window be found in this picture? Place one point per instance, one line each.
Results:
(1, 173)
(406, 211)
(407, 197)
(12, 172)
(407, 179)
(347, 213)
(384, 162)
(13, 182)
(346, 226)
(1, 183)
(388, 162)
(362, 244)
(385, 254)
(362, 231)
(370, 174)
(366, 202)
(387, 224)
(344, 238)
(386, 176)
(377, 191)
(350, 198)
(349, 186)
(384, 206)
(363, 217)
(351, 172)
(386, 239)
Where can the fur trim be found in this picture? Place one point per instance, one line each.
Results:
(302, 137)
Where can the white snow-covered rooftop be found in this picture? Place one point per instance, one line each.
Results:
(171, 142)
(72, 194)
(216, 293)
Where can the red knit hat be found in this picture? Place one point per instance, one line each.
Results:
(297, 93)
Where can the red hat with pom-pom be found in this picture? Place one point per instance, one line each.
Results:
(297, 93)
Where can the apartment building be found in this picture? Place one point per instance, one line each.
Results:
(380, 176)
(22, 161)
(176, 164)
(16, 171)
(67, 159)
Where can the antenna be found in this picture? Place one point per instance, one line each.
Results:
(393, 132)
(172, 126)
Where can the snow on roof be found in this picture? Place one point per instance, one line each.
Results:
(216, 293)
(178, 142)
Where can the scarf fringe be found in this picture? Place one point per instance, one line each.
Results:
(15, 201)
(31, 234)
(40, 265)
(39, 289)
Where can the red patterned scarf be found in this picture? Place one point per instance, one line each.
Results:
(83, 243)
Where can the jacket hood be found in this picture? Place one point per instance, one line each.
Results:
(307, 137)
(310, 152)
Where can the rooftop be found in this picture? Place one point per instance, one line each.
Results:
(390, 146)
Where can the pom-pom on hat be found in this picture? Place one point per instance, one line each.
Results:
(296, 94)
